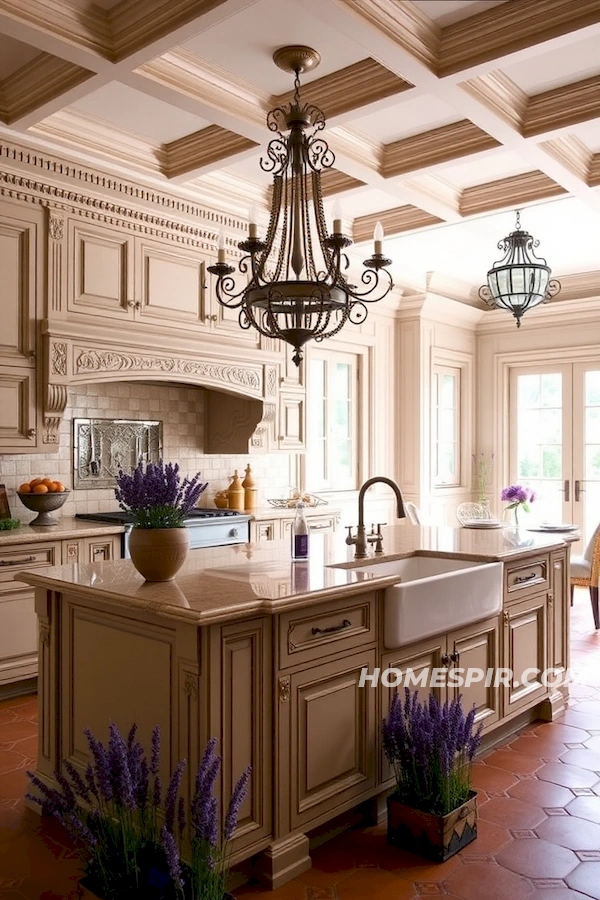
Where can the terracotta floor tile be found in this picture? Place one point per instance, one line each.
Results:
(585, 808)
(293, 890)
(420, 870)
(490, 838)
(490, 778)
(581, 720)
(16, 731)
(593, 743)
(375, 884)
(539, 747)
(540, 793)
(557, 894)
(556, 731)
(511, 813)
(333, 859)
(514, 761)
(13, 784)
(537, 859)
(585, 758)
(571, 832)
(477, 881)
(586, 878)
(568, 776)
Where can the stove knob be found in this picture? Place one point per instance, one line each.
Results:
(234, 533)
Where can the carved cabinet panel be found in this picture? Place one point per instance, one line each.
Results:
(100, 273)
(525, 652)
(18, 415)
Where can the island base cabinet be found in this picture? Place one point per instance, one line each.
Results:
(525, 653)
(326, 736)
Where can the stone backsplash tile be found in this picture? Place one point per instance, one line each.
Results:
(181, 410)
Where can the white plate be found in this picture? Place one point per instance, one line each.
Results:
(482, 523)
(548, 527)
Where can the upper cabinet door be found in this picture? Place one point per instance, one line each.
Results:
(170, 284)
(100, 277)
(20, 231)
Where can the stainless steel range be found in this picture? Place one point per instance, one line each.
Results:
(207, 527)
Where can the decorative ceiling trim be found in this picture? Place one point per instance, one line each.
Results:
(364, 151)
(594, 171)
(563, 106)
(209, 145)
(135, 25)
(509, 27)
(335, 182)
(185, 73)
(402, 23)
(37, 82)
(83, 24)
(455, 141)
(500, 94)
(351, 88)
(517, 190)
(394, 221)
(572, 153)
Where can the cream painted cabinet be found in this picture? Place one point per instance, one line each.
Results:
(525, 652)
(271, 528)
(117, 275)
(20, 264)
(91, 549)
(559, 609)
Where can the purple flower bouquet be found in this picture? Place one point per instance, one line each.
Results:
(112, 812)
(430, 747)
(517, 496)
(156, 496)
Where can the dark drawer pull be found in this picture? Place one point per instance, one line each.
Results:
(17, 562)
(526, 578)
(345, 624)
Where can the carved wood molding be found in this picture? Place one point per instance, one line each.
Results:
(135, 25)
(439, 145)
(86, 26)
(34, 84)
(594, 171)
(209, 145)
(563, 106)
(572, 153)
(500, 94)
(513, 191)
(509, 27)
(55, 402)
(394, 221)
(350, 88)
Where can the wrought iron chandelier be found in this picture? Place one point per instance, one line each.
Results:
(520, 280)
(295, 287)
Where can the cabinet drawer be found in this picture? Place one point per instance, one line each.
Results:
(306, 635)
(527, 576)
(25, 556)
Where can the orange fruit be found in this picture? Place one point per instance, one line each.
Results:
(40, 489)
(34, 482)
(51, 485)
(59, 487)
(48, 482)
(24, 488)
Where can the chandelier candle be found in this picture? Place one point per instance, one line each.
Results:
(300, 534)
(294, 283)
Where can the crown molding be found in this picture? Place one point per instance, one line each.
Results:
(404, 24)
(185, 73)
(581, 285)
(456, 141)
(36, 83)
(95, 137)
(572, 153)
(232, 192)
(442, 193)
(335, 182)
(510, 27)
(356, 147)
(557, 313)
(84, 24)
(394, 221)
(136, 25)
(201, 149)
(351, 88)
(563, 107)
(594, 171)
(517, 190)
(501, 95)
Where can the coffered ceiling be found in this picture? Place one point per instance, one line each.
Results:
(444, 115)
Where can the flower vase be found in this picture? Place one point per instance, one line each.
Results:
(433, 836)
(159, 553)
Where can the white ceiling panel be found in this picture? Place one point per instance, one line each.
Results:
(142, 115)
(572, 62)
(491, 167)
(406, 118)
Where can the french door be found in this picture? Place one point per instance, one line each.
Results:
(555, 440)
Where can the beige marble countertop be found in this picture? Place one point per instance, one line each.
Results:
(66, 527)
(219, 584)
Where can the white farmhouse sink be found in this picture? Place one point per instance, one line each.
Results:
(434, 595)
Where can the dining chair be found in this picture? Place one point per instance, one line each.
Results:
(466, 512)
(413, 513)
(585, 572)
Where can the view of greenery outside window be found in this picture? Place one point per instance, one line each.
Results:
(331, 458)
(539, 442)
(445, 426)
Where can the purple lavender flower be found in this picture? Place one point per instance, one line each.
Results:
(237, 798)
(156, 496)
(171, 798)
(155, 758)
(172, 853)
(101, 766)
(120, 774)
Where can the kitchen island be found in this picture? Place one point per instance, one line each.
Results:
(267, 656)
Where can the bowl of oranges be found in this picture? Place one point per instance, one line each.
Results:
(43, 496)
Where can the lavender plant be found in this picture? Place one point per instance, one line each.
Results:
(431, 748)
(156, 496)
(517, 496)
(130, 848)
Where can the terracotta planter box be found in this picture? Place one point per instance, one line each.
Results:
(83, 893)
(435, 837)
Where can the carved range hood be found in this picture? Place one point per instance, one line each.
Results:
(240, 401)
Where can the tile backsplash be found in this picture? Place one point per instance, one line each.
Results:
(181, 410)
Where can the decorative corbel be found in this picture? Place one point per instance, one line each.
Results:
(55, 388)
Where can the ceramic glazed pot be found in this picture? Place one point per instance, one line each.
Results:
(159, 553)
(435, 837)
